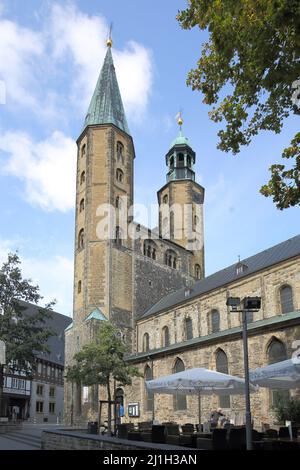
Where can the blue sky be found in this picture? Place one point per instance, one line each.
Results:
(50, 56)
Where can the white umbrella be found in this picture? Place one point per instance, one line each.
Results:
(282, 375)
(198, 381)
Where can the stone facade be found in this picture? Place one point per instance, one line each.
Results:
(123, 275)
(269, 324)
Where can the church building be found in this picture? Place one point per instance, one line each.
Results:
(151, 284)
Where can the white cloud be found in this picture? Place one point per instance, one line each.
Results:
(54, 276)
(83, 36)
(19, 49)
(47, 168)
(69, 46)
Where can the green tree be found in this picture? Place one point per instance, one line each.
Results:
(254, 50)
(288, 410)
(101, 362)
(24, 335)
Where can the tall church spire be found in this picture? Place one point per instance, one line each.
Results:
(106, 105)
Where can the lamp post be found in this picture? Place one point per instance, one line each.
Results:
(249, 304)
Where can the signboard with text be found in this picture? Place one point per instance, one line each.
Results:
(133, 410)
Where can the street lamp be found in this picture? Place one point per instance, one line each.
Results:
(249, 304)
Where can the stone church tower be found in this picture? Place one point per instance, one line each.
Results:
(118, 277)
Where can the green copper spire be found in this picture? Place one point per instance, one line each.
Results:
(180, 139)
(106, 106)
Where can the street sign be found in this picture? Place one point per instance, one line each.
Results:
(2, 353)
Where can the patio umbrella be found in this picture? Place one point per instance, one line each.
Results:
(282, 375)
(198, 381)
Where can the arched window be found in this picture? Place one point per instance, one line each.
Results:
(82, 177)
(118, 202)
(172, 163)
(79, 287)
(171, 259)
(286, 299)
(119, 175)
(119, 236)
(83, 150)
(165, 336)
(146, 344)
(222, 366)
(81, 239)
(215, 321)
(119, 396)
(150, 249)
(179, 400)
(188, 328)
(277, 353)
(120, 151)
(148, 393)
(81, 205)
(180, 160)
(197, 271)
(165, 199)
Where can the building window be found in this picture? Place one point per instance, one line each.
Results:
(197, 271)
(81, 205)
(79, 287)
(146, 346)
(119, 236)
(52, 392)
(85, 394)
(51, 408)
(120, 151)
(81, 239)
(180, 160)
(179, 400)
(82, 177)
(222, 366)
(215, 321)
(44, 369)
(150, 249)
(165, 336)
(165, 199)
(188, 328)
(148, 393)
(119, 175)
(39, 407)
(83, 150)
(286, 299)
(40, 390)
(277, 353)
(171, 259)
(118, 202)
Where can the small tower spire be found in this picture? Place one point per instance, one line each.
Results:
(179, 119)
(109, 41)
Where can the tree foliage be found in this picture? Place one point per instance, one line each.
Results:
(101, 362)
(24, 334)
(288, 410)
(253, 50)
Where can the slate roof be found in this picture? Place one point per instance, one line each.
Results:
(58, 323)
(274, 255)
(106, 105)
